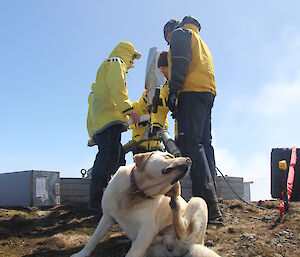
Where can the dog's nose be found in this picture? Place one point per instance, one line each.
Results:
(188, 160)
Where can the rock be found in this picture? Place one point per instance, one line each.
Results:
(277, 255)
(247, 236)
(209, 243)
(231, 230)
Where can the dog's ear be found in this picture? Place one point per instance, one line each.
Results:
(141, 158)
(138, 159)
(175, 190)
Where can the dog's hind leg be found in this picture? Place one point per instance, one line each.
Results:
(142, 242)
(191, 226)
(104, 225)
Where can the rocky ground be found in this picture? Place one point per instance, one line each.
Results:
(62, 230)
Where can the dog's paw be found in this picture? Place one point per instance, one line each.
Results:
(175, 190)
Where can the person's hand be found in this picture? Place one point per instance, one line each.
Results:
(172, 102)
(134, 117)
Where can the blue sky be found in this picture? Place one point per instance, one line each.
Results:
(50, 52)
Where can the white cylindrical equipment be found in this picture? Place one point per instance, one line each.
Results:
(169, 143)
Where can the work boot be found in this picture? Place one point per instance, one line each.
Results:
(219, 222)
(94, 204)
(95, 209)
(215, 216)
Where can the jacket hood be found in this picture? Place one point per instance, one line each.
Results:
(190, 20)
(191, 27)
(127, 52)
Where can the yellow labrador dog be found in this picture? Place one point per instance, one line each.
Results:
(135, 199)
(185, 236)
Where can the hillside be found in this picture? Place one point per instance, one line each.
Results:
(62, 230)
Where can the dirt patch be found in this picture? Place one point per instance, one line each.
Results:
(63, 230)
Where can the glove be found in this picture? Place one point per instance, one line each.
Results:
(156, 100)
(153, 131)
(172, 102)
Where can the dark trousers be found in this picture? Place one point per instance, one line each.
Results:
(194, 141)
(109, 158)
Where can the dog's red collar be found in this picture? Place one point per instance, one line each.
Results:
(134, 186)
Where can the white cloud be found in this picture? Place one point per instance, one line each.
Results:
(227, 162)
(258, 120)
(255, 168)
(253, 124)
(288, 51)
(277, 99)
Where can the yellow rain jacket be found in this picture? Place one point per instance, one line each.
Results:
(159, 119)
(90, 115)
(192, 64)
(108, 102)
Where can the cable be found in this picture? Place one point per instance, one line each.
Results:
(241, 199)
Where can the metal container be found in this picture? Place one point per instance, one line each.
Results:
(279, 154)
(75, 190)
(223, 190)
(29, 188)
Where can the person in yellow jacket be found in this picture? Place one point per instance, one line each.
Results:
(192, 87)
(158, 122)
(164, 66)
(109, 107)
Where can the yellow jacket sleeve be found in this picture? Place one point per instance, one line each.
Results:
(116, 82)
(90, 115)
(140, 107)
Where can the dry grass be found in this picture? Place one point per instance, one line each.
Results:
(62, 230)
